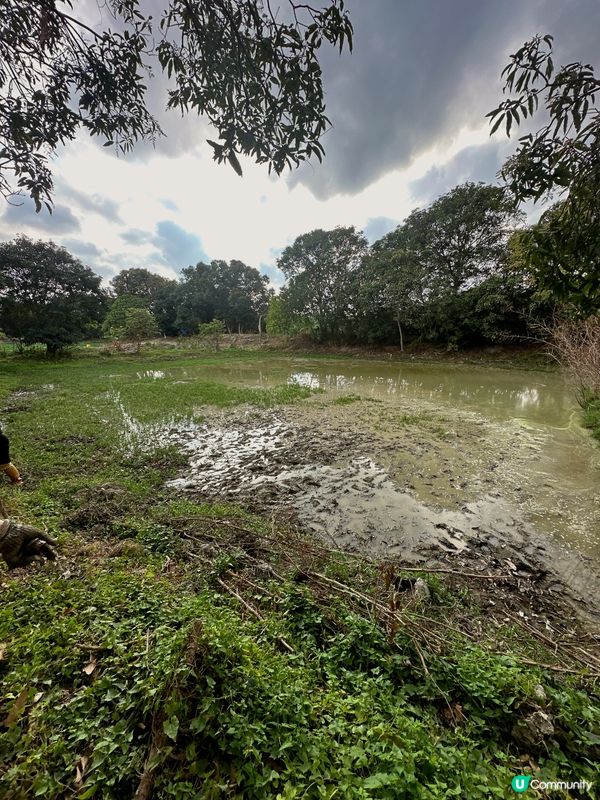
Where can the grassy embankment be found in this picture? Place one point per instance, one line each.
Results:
(203, 651)
(591, 416)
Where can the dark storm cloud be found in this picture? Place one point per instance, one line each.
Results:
(476, 163)
(17, 217)
(421, 71)
(177, 247)
(377, 227)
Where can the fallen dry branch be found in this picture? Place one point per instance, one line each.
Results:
(299, 558)
(254, 611)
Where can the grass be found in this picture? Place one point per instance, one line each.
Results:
(223, 655)
(591, 416)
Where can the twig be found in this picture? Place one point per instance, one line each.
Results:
(556, 668)
(253, 611)
(400, 568)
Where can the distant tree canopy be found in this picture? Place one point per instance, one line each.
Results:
(46, 295)
(562, 157)
(459, 239)
(138, 282)
(114, 322)
(457, 272)
(252, 73)
(232, 292)
(321, 267)
(420, 275)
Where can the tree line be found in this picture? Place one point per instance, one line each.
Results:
(456, 272)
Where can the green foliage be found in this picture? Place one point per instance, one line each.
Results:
(46, 295)
(212, 331)
(591, 415)
(254, 76)
(321, 267)
(115, 321)
(564, 156)
(232, 292)
(282, 321)
(442, 275)
(347, 400)
(125, 644)
(563, 253)
(140, 323)
(138, 282)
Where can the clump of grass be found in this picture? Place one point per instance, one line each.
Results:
(347, 400)
(591, 416)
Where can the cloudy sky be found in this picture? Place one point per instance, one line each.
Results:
(408, 111)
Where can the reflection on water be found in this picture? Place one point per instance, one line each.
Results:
(504, 394)
(561, 478)
(151, 373)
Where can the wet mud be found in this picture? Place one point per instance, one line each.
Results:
(405, 482)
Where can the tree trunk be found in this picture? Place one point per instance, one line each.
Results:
(400, 333)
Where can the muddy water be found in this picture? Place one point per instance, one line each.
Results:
(406, 458)
(558, 472)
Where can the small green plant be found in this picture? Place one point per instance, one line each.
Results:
(211, 332)
(347, 400)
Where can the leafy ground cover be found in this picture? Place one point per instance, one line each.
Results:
(591, 416)
(185, 649)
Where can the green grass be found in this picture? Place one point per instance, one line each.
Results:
(131, 646)
(591, 416)
(347, 399)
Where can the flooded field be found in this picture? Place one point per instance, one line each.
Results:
(410, 460)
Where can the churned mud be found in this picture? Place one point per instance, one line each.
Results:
(403, 481)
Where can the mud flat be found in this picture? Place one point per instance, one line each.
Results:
(405, 481)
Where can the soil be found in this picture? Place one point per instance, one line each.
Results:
(408, 485)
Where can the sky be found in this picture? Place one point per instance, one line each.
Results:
(408, 113)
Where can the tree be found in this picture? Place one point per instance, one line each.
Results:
(391, 286)
(321, 267)
(232, 292)
(281, 320)
(253, 74)
(562, 157)
(165, 306)
(459, 239)
(419, 271)
(212, 331)
(46, 295)
(114, 321)
(139, 324)
(138, 282)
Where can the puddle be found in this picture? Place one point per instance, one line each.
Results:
(155, 374)
(144, 436)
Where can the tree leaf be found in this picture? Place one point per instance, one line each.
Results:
(171, 727)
